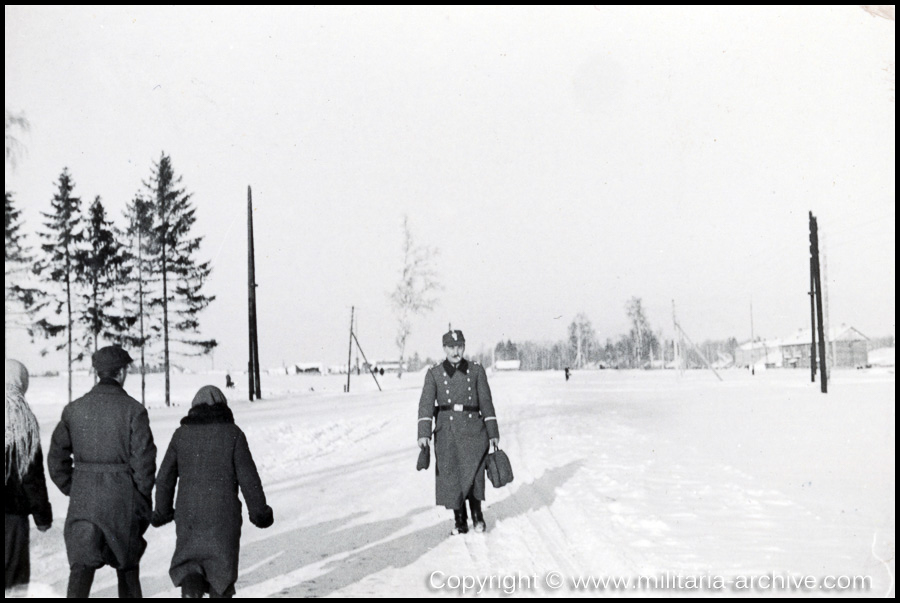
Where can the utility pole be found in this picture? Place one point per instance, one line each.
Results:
(752, 341)
(356, 330)
(350, 349)
(678, 344)
(814, 234)
(253, 363)
(693, 345)
(812, 304)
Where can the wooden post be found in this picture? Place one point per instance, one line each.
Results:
(371, 370)
(253, 365)
(350, 349)
(823, 366)
(812, 304)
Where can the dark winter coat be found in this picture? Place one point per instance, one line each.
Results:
(107, 435)
(24, 496)
(209, 459)
(459, 400)
(27, 495)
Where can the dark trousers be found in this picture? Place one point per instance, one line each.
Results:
(194, 586)
(18, 565)
(474, 505)
(81, 578)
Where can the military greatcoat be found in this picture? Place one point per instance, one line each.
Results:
(458, 399)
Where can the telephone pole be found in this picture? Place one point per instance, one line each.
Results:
(253, 363)
(816, 305)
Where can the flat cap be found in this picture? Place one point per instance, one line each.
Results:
(454, 338)
(110, 358)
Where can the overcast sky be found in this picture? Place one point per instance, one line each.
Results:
(563, 160)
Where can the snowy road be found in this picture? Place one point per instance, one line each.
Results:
(618, 475)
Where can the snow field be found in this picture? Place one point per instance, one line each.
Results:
(616, 474)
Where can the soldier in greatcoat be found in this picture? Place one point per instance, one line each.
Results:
(102, 457)
(456, 396)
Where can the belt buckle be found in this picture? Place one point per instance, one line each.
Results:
(457, 407)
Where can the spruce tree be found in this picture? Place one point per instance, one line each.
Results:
(182, 276)
(140, 281)
(58, 265)
(21, 294)
(102, 267)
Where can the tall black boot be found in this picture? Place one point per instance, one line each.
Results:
(80, 581)
(129, 583)
(477, 517)
(461, 520)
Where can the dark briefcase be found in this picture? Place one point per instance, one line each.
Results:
(499, 471)
(424, 458)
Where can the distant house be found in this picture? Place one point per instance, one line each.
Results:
(759, 353)
(849, 347)
(507, 365)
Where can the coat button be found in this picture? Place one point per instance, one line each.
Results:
(470, 415)
(448, 391)
(451, 418)
(445, 383)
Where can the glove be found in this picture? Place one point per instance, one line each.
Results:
(495, 441)
(158, 520)
(264, 519)
(423, 442)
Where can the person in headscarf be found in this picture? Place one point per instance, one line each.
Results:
(25, 488)
(209, 459)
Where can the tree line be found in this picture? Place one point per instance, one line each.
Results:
(640, 347)
(138, 284)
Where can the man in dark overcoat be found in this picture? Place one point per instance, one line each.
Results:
(457, 397)
(103, 458)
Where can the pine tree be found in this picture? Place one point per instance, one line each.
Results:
(102, 267)
(21, 295)
(182, 277)
(58, 265)
(139, 283)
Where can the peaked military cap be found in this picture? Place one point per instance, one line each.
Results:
(454, 338)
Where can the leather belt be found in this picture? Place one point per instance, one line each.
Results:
(457, 408)
(102, 467)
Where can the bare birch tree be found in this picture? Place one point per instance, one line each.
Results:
(415, 293)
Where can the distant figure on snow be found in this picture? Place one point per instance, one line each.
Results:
(457, 396)
(25, 489)
(209, 459)
(229, 384)
(106, 434)
(567, 373)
